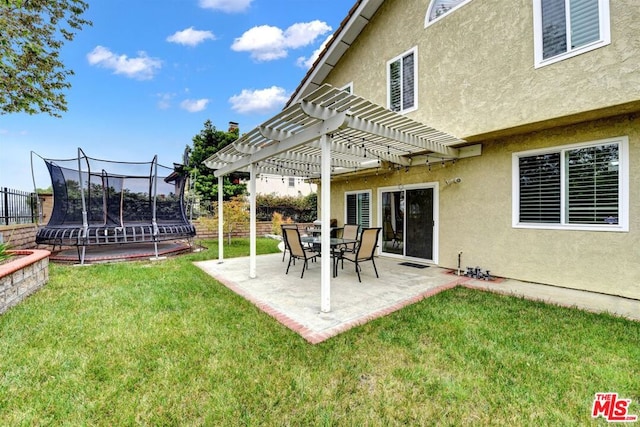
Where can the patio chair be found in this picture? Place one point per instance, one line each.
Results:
(350, 231)
(296, 250)
(365, 250)
(284, 238)
(390, 235)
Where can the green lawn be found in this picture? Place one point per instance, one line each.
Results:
(162, 343)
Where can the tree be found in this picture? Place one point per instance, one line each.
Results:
(208, 142)
(32, 32)
(235, 217)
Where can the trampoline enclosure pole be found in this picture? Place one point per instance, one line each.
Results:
(154, 188)
(85, 222)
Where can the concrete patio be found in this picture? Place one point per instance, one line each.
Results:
(295, 302)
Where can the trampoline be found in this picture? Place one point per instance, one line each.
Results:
(103, 202)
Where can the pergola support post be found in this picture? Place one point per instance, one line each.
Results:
(252, 220)
(220, 219)
(325, 235)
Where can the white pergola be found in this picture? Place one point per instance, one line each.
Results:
(328, 132)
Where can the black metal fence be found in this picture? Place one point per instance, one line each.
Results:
(17, 207)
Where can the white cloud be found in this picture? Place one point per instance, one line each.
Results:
(142, 67)
(308, 62)
(259, 101)
(305, 33)
(266, 43)
(164, 100)
(229, 6)
(194, 105)
(190, 37)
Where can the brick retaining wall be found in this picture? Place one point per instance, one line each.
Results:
(210, 230)
(23, 276)
(21, 236)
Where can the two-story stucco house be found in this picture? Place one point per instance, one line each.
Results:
(509, 140)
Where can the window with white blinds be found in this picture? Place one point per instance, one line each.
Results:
(540, 188)
(579, 187)
(565, 28)
(402, 74)
(358, 209)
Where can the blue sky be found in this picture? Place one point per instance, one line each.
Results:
(149, 73)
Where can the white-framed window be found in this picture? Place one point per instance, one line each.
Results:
(358, 208)
(439, 8)
(402, 82)
(576, 187)
(292, 181)
(348, 87)
(566, 28)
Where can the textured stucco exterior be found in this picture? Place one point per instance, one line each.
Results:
(477, 81)
(475, 216)
(476, 67)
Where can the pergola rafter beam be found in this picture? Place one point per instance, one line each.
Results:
(311, 133)
(274, 134)
(356, 150)
(313, 159)
(392, 134)
(361, 132)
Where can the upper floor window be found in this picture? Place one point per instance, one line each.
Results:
(439, 8)
(348, 87)
(578, 187)
(565, 28)
(402, 82)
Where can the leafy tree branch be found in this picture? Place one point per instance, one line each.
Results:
(32, 32)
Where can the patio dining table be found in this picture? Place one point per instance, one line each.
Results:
(335, 243)
(316, 231)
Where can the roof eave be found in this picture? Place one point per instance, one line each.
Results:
(349, 29)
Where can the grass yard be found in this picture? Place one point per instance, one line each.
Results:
(162, 343)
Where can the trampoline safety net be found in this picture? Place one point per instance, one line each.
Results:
(98, 202)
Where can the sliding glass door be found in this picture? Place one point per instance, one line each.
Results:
(408, 222)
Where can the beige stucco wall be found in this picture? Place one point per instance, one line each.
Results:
(477, 80)
(475, 216)
(476, 66)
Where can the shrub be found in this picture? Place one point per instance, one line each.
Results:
(276, 223)
(298, 209)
